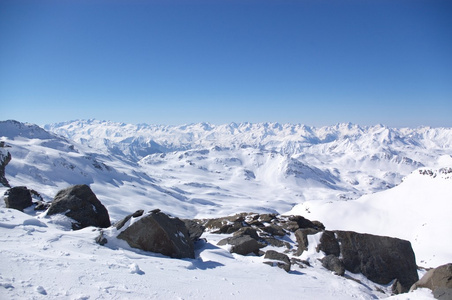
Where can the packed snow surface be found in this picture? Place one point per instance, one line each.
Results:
(379, 180)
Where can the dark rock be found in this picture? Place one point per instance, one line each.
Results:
(291, 226)
(267, 218)
(256, 223)
(301, 263)
(5, 158)
(333, 263)
(329, 244)
(195, 229)
(157, 232)
(18, 197)
(302, 239)
(302, 222)
(243, 245)
(274, 230)
(100, 239)
(36, 196)
(397, 288)
(280, 260)
(275, 242)
(228, 224)
(123, 222)
(41, 205)
(139, 213)
(79, 203)
(318, 225)
(381, 259)
(247, 231)
(439, 280)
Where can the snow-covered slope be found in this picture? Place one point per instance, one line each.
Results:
(203, 170)
(41, 259)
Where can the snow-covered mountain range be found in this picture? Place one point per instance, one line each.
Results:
(376, 179)
(202, 169)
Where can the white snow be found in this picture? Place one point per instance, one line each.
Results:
(346, 176)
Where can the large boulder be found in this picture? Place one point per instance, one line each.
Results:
(381, 259)
(79, 203)
(157, 232)
(439, 280)
(18, 197)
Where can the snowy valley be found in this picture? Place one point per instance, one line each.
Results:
(377, 180)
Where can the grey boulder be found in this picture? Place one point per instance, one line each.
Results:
(18, 197)
(79, 203)
(157, 232)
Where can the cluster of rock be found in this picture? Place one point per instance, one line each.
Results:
(381, 259)
(20, 198)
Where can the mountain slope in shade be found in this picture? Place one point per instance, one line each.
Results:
(417, 210)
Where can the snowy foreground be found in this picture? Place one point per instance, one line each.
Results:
(42, 259)
(372, 180)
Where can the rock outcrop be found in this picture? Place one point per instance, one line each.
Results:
(157, 232)
(18, 197)
(439, 280)
(80, 204)
(5, 158)
(381, 259)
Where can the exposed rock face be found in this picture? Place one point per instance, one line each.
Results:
(157, 232)
(329, 244)
(5, 158)
(80, 204)
(18, 197)
(274, 258)
(439, 280)
(379, 258)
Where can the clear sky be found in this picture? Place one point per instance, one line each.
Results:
(174, 62)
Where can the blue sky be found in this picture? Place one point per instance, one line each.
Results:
(175, 62)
